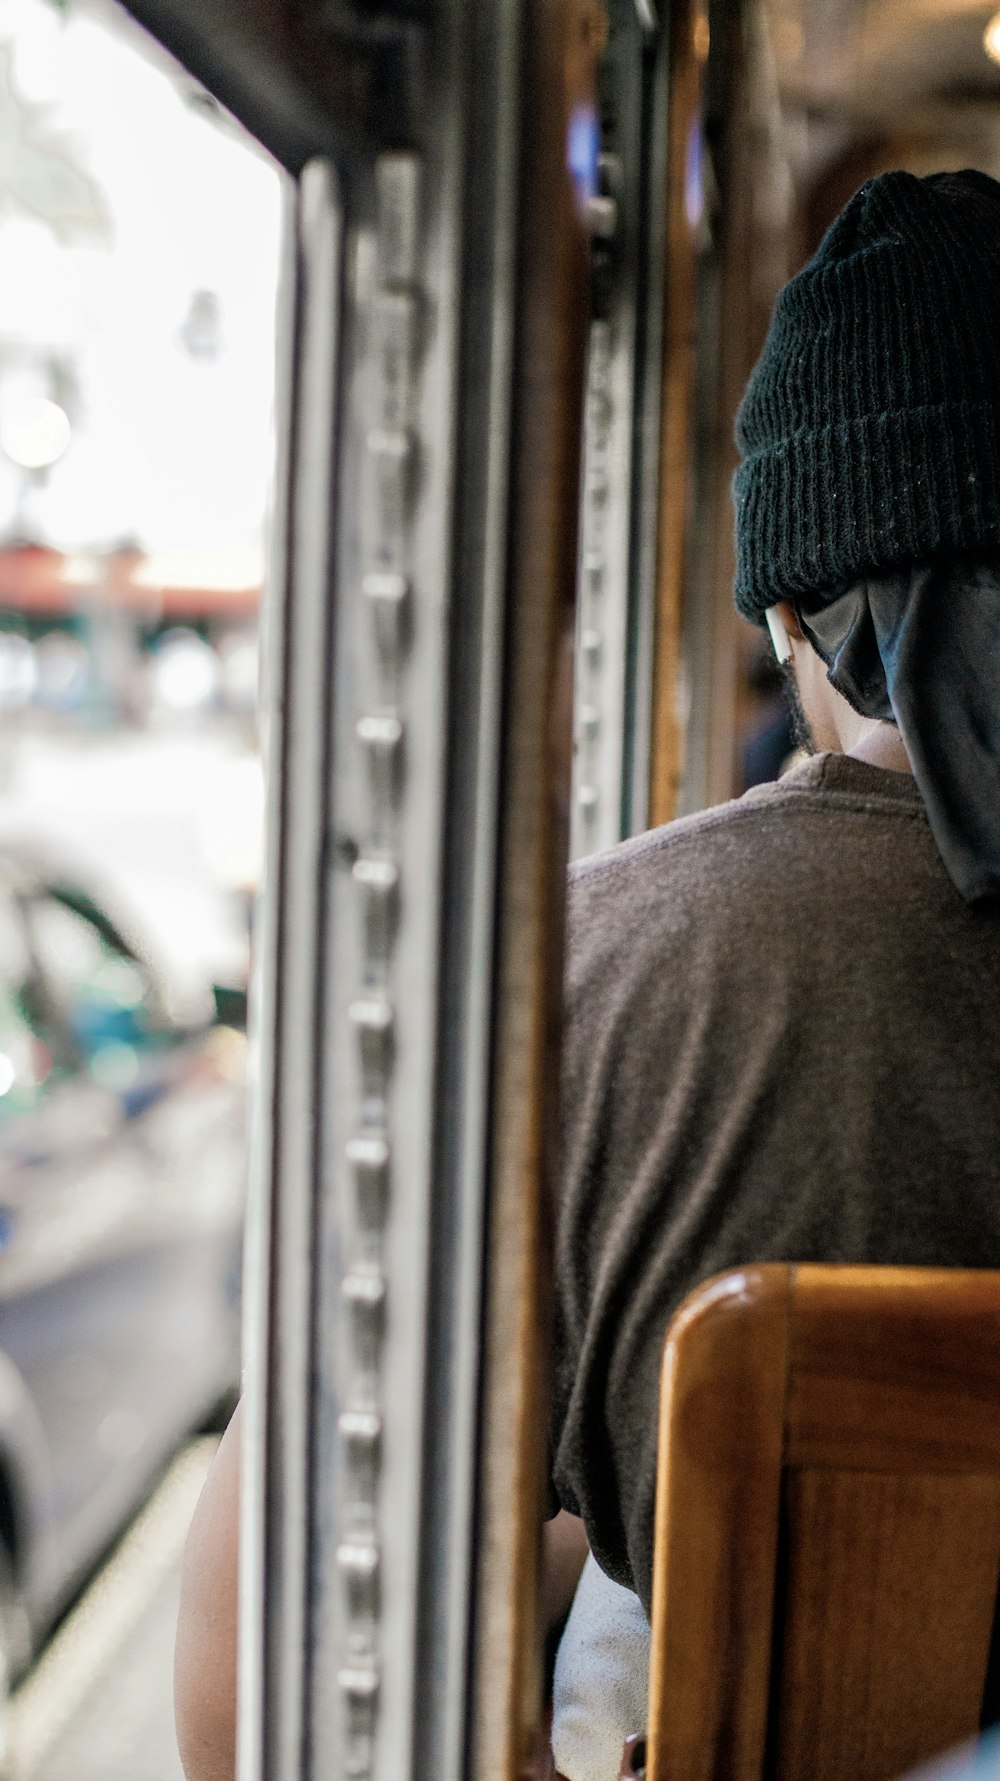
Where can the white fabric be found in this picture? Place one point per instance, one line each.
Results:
(601, 1678)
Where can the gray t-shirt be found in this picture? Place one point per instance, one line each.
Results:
(782, 1043)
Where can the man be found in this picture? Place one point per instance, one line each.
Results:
(782, 1039)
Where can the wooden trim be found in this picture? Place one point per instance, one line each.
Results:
(562, 39)
(688, 23)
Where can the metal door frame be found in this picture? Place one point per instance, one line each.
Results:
(408, 962)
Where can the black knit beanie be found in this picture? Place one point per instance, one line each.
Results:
(870, 428)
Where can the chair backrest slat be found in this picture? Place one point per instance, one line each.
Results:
(827, 1523)
(873, 1559)
(898, 1366)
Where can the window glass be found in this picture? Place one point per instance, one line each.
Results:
(102, 995)
(25, 1059)
(140, 234)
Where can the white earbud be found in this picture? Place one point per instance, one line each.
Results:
(779, 636)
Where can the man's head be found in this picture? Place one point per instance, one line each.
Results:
(868, 499)
(870, 427)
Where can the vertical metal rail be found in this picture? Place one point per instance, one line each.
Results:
(263, 1034)
(620, 503)
(734, 302)
(648, 417)
(604, 590)
(279, 1335)
(378, 1044)
(469, 912)
(340, 1258)
(377, 960)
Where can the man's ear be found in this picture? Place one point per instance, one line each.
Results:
(789, 619)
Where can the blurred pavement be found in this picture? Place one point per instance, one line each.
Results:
(98, 1704)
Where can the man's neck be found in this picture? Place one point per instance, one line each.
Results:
(880, 745)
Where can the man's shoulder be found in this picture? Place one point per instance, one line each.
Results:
(797, 841)
(690, 845)
(662, 892)
(678, 847)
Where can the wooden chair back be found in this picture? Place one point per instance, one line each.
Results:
(827, 1544)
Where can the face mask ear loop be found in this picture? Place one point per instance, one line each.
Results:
(779, 636)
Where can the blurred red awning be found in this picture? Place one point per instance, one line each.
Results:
(38, 581)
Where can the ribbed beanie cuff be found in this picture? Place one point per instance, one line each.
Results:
(923, 482)
(871, 425)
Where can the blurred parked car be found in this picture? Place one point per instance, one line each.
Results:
(121, 1200)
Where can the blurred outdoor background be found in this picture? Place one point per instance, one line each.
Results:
(139, 245)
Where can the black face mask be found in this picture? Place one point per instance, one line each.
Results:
(921, 648)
